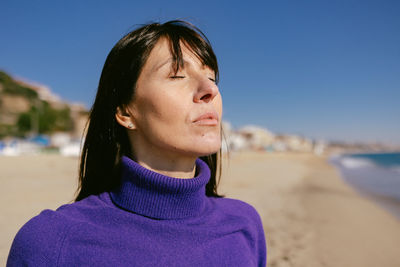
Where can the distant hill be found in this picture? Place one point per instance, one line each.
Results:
(27, 108)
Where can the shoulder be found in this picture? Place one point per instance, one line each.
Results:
(39, 241)
(236, 207)
(237, 213)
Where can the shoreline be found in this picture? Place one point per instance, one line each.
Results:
(350, 229)
(388, 203)
(311, 216)
(365, 179)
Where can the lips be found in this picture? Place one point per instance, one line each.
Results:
(208, 118)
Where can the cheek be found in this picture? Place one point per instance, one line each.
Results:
(161, 111)
(218, 105)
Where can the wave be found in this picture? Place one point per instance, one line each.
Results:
(372, 178)
(354, 163)
(358, 162)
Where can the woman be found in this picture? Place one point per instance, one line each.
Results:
(148, 184)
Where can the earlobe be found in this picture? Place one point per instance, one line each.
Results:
(124, 119)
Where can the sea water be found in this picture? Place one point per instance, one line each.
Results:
(374, 175)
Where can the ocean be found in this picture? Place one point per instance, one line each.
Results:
(374, 175)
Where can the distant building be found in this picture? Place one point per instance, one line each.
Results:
(294, 143)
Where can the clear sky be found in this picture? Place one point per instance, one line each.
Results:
(322, 69)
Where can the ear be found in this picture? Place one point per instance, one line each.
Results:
(124, 118)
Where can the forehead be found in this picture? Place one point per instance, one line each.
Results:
(161, 55)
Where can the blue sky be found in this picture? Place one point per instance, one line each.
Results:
(323, 69)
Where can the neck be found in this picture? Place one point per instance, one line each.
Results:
(165, 163)
(169, 167)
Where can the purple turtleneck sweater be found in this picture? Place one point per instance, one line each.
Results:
(150, 220)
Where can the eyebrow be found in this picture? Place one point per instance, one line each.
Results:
(169, 60)
(162, 64)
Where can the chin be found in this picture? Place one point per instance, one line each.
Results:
(207, 149)
(199, 146)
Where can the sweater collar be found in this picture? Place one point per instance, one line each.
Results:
(154, 195)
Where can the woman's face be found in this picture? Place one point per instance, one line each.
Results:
(176, 114)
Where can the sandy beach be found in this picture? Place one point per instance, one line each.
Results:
(310, 216)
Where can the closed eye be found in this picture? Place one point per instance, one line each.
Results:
(177, 77)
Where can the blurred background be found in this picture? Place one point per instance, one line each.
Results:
(311, 94)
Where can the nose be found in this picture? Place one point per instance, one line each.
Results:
(206, 91)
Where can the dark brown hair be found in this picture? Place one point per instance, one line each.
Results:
(106, 141)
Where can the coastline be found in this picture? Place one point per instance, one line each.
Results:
(376, 176)
(311, 217)
(350, 229)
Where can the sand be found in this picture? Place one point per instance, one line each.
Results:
(310, 216)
